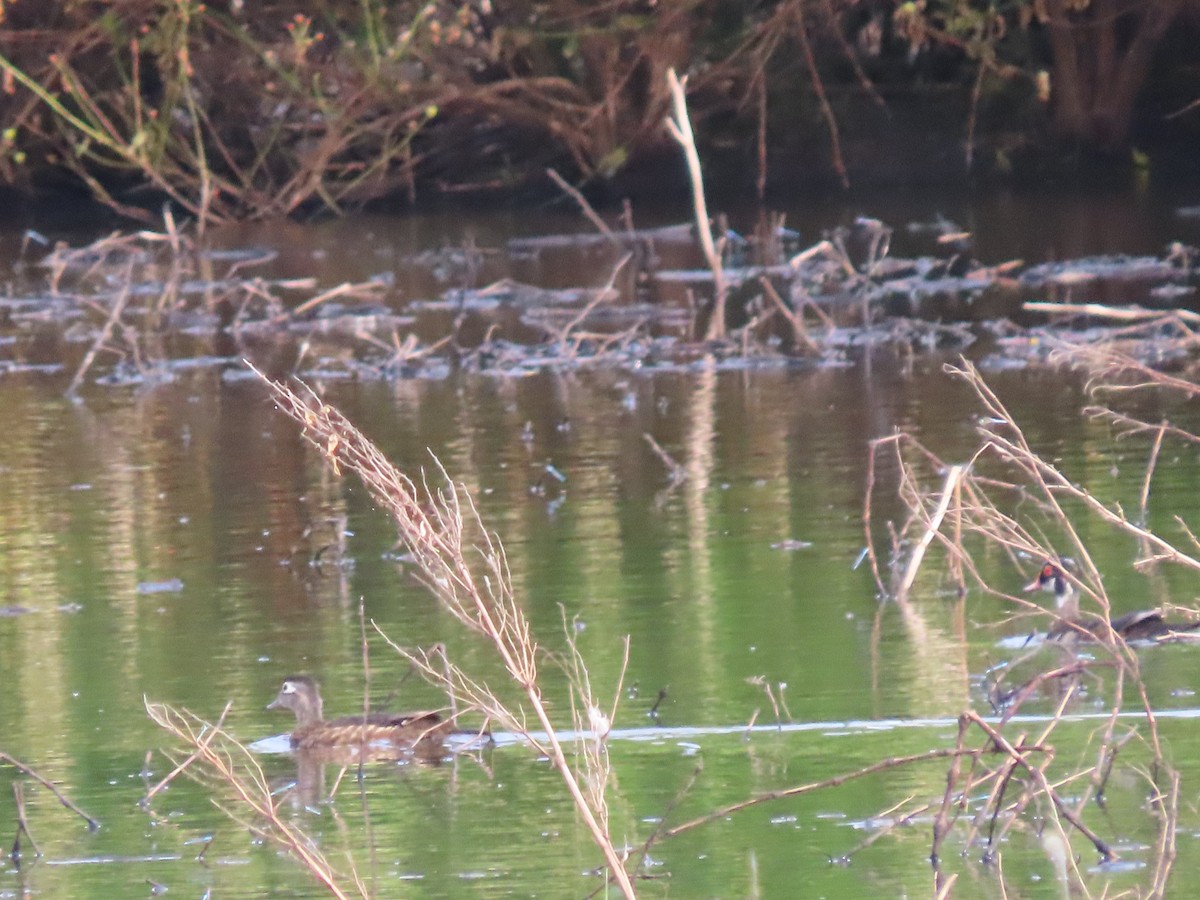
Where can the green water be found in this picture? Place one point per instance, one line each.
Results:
(179, 542)
(201, 481)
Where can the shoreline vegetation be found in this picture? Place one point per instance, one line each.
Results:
(236, 111)
(228, 118)
(729, 300)
(133, 309)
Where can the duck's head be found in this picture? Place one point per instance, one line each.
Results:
(301, 695)
(1053, 580)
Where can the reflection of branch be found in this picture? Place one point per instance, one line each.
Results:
(676, 472)
(836, 781)
(15, 854)
(657, 833)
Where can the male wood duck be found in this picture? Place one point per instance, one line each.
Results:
(1143, 625)
(301, 695)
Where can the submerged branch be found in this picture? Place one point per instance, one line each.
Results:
(62, 798)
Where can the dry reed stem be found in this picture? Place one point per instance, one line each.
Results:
(354, 290)
(206, 738)
(793, 317)
(1012, 447)
(443, 533)
(941, 822)
(680, 127)
(603, 295)
(1003, 440)
(236, 768)
(1168, 808)
(949, 489)
(1102, 311)
(105, 332)
(1130, 426)
(592, 724)
(1110, 366)
(584, 207)
(818, 86)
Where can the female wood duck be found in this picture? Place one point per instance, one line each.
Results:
(1143, 625)
(399, 730)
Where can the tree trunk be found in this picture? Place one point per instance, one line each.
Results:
(1102, 55)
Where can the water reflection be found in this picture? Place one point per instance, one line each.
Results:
(199, 481)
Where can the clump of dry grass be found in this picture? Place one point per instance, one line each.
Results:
(1008, 497)
(230, 764)
(218, 758)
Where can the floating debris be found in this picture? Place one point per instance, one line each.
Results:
(170, 586)
(640, 302)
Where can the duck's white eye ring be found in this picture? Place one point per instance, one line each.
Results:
(289, 687)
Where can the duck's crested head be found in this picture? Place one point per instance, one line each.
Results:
(301, 695)
(1053, 580)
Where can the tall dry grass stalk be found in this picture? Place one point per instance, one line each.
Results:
(465, 568)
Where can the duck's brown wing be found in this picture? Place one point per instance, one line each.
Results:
(403, 726)
(1140, 625)
(402, 729)
(1179, 630)
(390, 720)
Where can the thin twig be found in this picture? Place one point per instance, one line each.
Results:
(584, 206)
(105, 333)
